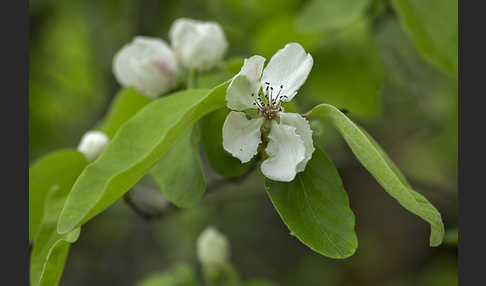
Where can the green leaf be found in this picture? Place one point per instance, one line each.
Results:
(135, 149)
(432, 25)
(382, 168)
(60, 168)
(349, 73)
(212, 137)
(220, 74)
(126, 103)
(315, 208)
(180, 275)
(320, 15)
(50, 249)
(180, 173)
(212, 78)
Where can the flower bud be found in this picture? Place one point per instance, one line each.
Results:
(92, 144)
(198, 45)
(212, 247)
(148, 65)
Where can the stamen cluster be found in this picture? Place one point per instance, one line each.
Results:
(269, 105)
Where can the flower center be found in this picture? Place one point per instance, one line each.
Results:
(268, 103)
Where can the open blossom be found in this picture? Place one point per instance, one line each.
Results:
(147, 64)
(92, 144)
(198, 45)
(212, 247)
(290, 144)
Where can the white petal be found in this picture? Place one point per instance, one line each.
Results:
(289, 67)
(286, 150)
(92, 144)
(304, 131)
(239, 94)
(148, 65)
(198, 45)
(241, 136)
(252, 68)
(244, 84)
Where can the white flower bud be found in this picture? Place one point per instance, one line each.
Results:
(212, 247)
(198, 45)
(147, 64)
(92, 144)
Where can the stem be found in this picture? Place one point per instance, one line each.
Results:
(211, 188)
(146, 216)
(221, 183)
(192, 79)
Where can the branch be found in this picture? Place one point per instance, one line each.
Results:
(211, 188)
(141, 213)
(215, 185)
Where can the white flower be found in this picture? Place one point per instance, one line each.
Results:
(92, 144)
(290, 144)
(212, 247)
(147, 64)
(198, 45)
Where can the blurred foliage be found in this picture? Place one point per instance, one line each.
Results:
(328, 15)
(349, 72)
(180, 275)
(393, 69)
(433, 27)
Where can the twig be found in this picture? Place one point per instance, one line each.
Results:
(146, 216)
(215, 185)
(212, 187)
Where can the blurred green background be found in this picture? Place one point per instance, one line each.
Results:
(397, 83)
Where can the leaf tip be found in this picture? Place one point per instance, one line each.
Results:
(436, 239)
(64, 224)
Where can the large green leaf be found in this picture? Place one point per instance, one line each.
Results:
(212, 137)
(50, 249)
(382, 168)
(220, 74)
(126, 103)
(135, 149)
(60, 168)
(319, 15)
(180, 173)
(433, 26)
(315, 207)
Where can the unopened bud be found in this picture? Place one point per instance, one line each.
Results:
(147, 64)
(198, 45)
(212, 247)
(92, 144)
